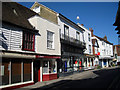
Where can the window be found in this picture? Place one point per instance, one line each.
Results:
(50, 40)
(37, 9)
(66, 30)
(88, 37)
(103, 43)
(28, 41)
(77, 35)
(49, 66)
(89, 48)
(96, 51)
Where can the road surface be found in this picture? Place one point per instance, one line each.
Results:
(105, 78)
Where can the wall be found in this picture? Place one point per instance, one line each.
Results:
(72, 29)
(86, 32)
(41, 39)
(45, 12)
(11, 38)
(107, 47)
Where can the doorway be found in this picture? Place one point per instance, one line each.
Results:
(36, 71)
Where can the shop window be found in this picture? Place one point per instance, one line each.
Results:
(52, 67)
(49, 67)
(28, 41)
(45, 66)
(27, 71)
(16, 72)
(4, 73)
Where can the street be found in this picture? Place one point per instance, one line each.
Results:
(104, 78)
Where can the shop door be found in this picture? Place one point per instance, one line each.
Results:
(36, 71)
(105, 63)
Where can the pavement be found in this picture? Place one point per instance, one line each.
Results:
(69, 79)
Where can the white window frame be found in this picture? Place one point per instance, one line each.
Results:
(77, 35)
(52, 41)
(90, 49)
(89, 37)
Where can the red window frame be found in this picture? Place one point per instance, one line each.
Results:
(28, 41)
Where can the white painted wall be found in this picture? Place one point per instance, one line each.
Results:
(107, 47)
(41, 39)
(72, 29)
(86, 32)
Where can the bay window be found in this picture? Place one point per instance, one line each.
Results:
(28, 41)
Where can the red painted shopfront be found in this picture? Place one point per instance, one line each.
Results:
(47, 69)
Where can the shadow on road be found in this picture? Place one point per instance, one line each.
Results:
(104, 79)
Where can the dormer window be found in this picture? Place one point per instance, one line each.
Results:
(37, 9)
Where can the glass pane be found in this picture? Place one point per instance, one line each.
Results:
(27, 71)
(52, 66)
(4, 75)
(45, 66)
(16, 73)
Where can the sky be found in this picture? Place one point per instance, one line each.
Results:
(97, 15)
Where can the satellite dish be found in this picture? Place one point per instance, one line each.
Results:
(78, 17)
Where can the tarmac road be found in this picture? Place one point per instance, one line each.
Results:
(105, 78)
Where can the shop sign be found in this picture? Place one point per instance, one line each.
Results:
(39, 56)
(98, 53)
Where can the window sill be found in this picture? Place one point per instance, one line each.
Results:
(49, 73)
(51, 48)
(28, 50)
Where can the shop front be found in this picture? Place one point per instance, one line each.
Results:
(16, 72)
(105, 61)
(70, 63)
(47, 68)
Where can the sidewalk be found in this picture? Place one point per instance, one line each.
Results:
(62, 80)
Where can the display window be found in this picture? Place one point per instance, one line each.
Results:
(4, 73)
(27, 71)
(49, 67)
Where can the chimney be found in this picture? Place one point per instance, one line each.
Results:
(82, 24)
(105, 38)
(91, 32)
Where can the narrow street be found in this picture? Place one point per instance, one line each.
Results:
(105, 78)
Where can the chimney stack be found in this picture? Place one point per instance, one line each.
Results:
(82, 24)
(105, 37)
(91, 31)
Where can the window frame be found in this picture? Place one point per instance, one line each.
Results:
(50, 40)
(32, 37)
(90, 49)
(77, 35)
(89, 37)
(66, 28)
